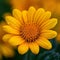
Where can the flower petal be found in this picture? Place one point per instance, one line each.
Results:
(31, 13)
(17, 14)
(44, 43)
(44, 17)
(49, 24)
(16, 40)
(38, 13)
(13, 22)
(23, 48)
(7, 50)
(34, 48)
(9, 29)
(6, 37)
(49, 34)
(24, 14)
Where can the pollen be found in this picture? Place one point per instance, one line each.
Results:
(30, 32)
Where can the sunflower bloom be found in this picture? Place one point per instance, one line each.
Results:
(30, 29)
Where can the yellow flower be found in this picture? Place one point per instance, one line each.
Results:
(5, 49)
(51, 5)
(30, 29)
(25, 4)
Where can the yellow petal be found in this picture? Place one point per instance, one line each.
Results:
(44, 17)
(16, 40)
(13, 22)
(38, 13)
(9, 29)
(23, 48)
(34, 48)
(49, 34)
(44, 43)
(24, 14)
(7, 51)
(49, 24)
(31, 13)
(6, 37)
(17, 14)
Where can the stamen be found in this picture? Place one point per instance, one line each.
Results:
(30, 32)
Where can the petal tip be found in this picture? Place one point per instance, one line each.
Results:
(49, 47)
(14, 10)
(23, 49)
(32, 7)
(55, 34)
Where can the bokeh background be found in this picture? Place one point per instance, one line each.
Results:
(6, 7)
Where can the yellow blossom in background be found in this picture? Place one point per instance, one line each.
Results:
(29, 29)
(25, 4)
(5, 49)
(20, 4)
(51, 5)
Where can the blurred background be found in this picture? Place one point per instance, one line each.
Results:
(6, 7)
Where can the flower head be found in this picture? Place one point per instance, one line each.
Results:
(5, 49)
(29, 29)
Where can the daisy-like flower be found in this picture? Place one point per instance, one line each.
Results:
(30, 29)
(5, 49)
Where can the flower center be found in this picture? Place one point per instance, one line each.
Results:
(30, 32)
